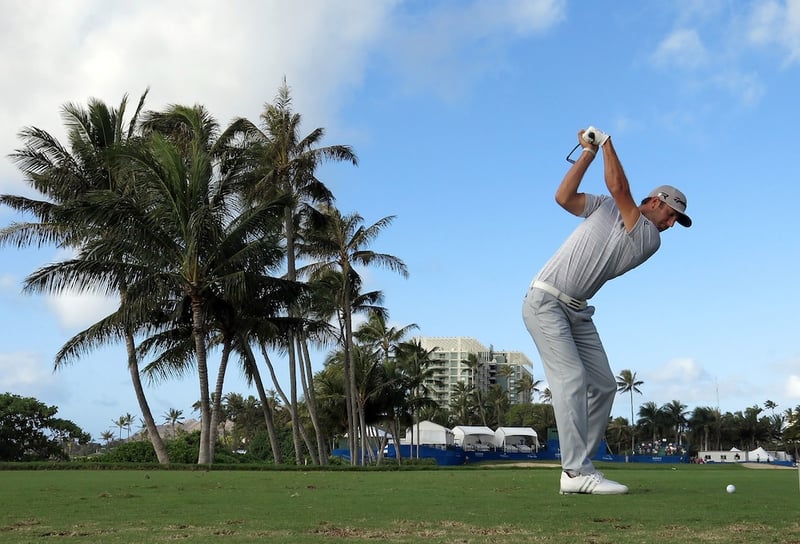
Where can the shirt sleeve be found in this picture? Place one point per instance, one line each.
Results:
(593, 202)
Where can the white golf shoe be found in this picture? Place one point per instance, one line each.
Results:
(591, 484)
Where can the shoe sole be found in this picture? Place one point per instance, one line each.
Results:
(584, 493)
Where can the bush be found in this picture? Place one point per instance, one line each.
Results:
(182, 450)
(129, 452)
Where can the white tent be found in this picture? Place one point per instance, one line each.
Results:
(473, 437)
(428, 433)
(760, 455)
(521, 439)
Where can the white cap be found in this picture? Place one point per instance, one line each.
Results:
(675, 199)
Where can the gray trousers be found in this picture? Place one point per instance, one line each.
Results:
(581, 383)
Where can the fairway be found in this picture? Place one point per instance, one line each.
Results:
(673, 503)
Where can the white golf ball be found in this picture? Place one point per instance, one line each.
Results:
(731, 488)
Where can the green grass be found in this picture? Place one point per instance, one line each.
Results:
(672, 503)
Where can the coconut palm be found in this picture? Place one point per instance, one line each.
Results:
(676, 413)
(341, 243)
(198, 247)
(69, 176)
(498, 402)
(421, 376)
(526, 386)
(172, 417)
(127, 419)
(282, 162)
(617, 432)
(460, 405)
(650, 418)
(473, 365)
(376, 332)
(370, 384)
(120, 424)
(770, 405)
(627, 383)
(107, 437)
(703, 419)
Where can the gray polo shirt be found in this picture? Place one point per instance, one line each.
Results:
(599, 249)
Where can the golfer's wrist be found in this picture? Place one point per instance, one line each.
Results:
(590, 152)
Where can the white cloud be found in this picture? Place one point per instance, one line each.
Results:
(679, 371)
(229, 56)
(777, 23)
(8, 283)
(26, 374)
(683, 48)
(792, 390)
(524, 16)
(747, 87)
(456, 44)
(76, 310)
(682, 379)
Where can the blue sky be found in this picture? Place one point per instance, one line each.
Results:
(461, 113)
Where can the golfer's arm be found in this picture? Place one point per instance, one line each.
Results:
(567, 194)
(618, 186)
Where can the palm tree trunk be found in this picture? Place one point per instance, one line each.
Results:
(308, 393)
(266, 407)
(216, 408)
(147, 415)
(350, 376)
(298, 452)
(396, 438)
(198, 331)
(633, 427)
(292, 409)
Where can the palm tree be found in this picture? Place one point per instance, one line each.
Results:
(770, 405)
(377, 333)
(172, 417)
(197, 246)
(474, 365)
(705, 419)
(508, 372)
(675, 412)
(627, 383)
(460, 403)
(127, 419)
(107, 437)
(526, 386)
(417, 364)
(120, 423)
(340, 243)
(370, 384)
(618, 430)
(547, 396)
(650, 418)
(497, 400)
(70, 178)
(284, 163)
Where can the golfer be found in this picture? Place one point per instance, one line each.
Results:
(615, 236)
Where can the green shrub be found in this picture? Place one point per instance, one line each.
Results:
(129, 452)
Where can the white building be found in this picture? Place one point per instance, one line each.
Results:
(451, 357)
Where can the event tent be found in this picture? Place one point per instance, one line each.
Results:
(760, 455)
(522, 439)
(428, 433)
(473, 437)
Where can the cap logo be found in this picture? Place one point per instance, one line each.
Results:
(665, 197)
